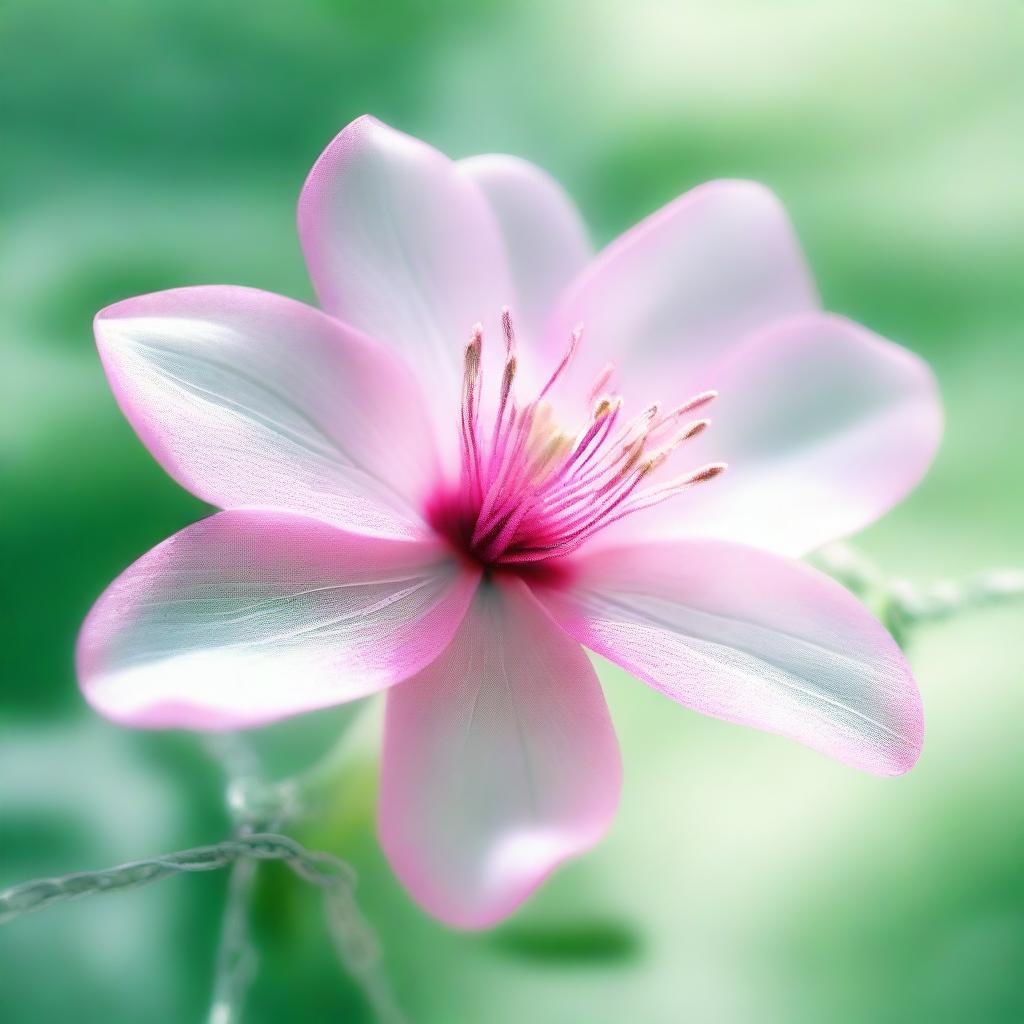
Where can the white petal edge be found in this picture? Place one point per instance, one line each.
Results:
(824, 425)
(251, 615)
(545, 239)
(250, 399)
(404, 247)
(752, 638)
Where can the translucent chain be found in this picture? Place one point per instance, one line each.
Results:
(355, 943)
(902, 605)
(28, 897)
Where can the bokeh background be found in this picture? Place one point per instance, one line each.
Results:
(153, 144)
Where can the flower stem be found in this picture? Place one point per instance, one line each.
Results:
(237, 960)
(903, 606)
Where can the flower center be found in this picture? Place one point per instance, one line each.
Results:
(529, 491)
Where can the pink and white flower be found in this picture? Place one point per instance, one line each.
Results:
(491, 451)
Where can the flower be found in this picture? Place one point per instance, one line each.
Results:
(490, 452)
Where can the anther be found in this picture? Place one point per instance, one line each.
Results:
(694, 429)
(692, 404)
(508, 330)
(473, 349)
(708, 472)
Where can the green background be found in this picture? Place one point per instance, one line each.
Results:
(150, 145)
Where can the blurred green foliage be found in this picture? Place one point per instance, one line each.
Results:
(145, 145)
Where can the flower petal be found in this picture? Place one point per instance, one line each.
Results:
(545, 239)
(825, 427)
(405, 248)
(752, 638)
(253, 615)
(676, 292)
(499, 762)
(249, 398)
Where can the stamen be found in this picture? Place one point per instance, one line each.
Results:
(695, 403)
(698, 427)
(604, 417)
(574, 344)
(506, 398)
(707, 473)
(471, 408)
(510, 334)
(641, 503)
(540, 491)
(667, 490)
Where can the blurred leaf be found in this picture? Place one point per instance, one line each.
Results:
(579, 942)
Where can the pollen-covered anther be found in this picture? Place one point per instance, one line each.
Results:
(472, 362)
(508, 330)
(509, 375)
(474, 348)
(697, 476)
(707, 472)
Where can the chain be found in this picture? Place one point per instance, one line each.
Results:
(319, 868)
(355, 943)
(902, 605)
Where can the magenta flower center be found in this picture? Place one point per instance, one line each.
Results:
(529, 491)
